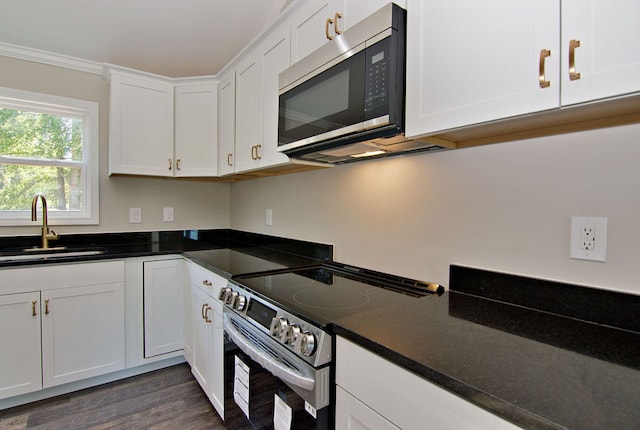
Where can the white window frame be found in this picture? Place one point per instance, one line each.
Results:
(48, 104)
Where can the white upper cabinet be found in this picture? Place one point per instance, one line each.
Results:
(140, 125)
(227, 123)
(143, 111)
(312, 26)
(196, 129)
(274, 53)
(247, 113)
(319, 21)
(257, 103)
(502, 59)
(607, 58)
(473, 62)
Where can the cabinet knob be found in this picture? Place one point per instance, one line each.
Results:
(573, 44)
(544, 53)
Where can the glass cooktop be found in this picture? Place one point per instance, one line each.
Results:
(325, 294)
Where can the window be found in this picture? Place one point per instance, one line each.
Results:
(48, 145)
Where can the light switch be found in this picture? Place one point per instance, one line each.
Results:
(167, 214)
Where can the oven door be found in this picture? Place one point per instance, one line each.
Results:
(264, 383)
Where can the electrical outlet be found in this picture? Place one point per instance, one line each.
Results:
(167, 214)
(589, 238)
(135, 215)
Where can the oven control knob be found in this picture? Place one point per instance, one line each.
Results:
(307, 343)
(290, 335)
(231, 298)
(278, 326)
(240, 303)
(222, 296)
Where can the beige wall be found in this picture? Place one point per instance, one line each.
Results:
(196, 204)
(504, 207)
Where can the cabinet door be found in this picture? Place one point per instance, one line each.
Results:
(82, 332)
(202, 338)
(196, 131)
(308, 27)
(141, 126)
(20, 366)
(216, 394)
(352, 414)
(479, 65)
(248, 115)
(227, 124)
(403, 398)
(163, 291)
(608, 58)
(275, 57)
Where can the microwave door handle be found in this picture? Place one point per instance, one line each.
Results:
(278, 369)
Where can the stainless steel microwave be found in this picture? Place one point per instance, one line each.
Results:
(345, 101)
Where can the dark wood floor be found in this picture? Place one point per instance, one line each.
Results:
(165, 399)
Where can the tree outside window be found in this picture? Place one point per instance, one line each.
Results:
(47, 148)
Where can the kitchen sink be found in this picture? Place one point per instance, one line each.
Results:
(45, 254)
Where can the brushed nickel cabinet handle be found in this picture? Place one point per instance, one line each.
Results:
(336, 17)
(33, 308)
(258, 156)
(326, 28)
(178, 164)
(229, 160)
(206, 314)
(46, 306)
(573, 44)
(202, 311)
(544, 53)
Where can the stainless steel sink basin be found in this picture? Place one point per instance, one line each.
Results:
(45, 254)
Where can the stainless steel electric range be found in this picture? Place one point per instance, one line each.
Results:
(280, 351)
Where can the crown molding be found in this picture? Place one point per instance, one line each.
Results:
(44, 57)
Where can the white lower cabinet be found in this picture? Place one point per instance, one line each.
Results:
(71, 328)
(163, 297)
(373, 393)
(20, 365)
(352, 414)
(207, 364)
(82, 332)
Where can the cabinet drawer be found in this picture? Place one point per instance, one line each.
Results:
(48, 276)
(207, 280)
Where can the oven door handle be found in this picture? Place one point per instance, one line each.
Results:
(279, 370)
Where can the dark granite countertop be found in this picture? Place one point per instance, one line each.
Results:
(538, 353)
(535, 368)
(220, 250)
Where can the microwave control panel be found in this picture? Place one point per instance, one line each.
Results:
(377, 76)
